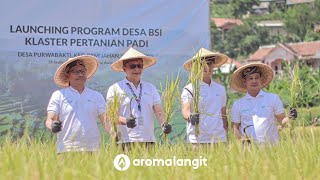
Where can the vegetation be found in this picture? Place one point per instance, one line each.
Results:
(298, 159)
(169, 95)
(28, 150)
(112, 116)
(239, 42)
(195, 77)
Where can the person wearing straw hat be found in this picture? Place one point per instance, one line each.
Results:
(212, 120)
(140, 100)
(73, 110)
(255, 115)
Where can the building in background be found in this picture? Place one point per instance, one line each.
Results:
(274, 27)
(276, 55)
(229, 67)
(225, 24)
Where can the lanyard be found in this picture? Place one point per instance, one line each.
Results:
(135, 96)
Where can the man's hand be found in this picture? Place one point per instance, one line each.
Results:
(225, 125)
(56, 126)
(194, 118)
(166, 128)
(131, 122)
(293, 114)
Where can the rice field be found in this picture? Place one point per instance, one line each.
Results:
(297, 158)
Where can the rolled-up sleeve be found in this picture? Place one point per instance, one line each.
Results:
(54, 103)
(101, 104)
(278, 106)
(235, 114)
(155, 96)
(186, 96)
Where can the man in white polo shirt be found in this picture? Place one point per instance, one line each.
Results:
(212, 119)
(140, 100)
(255, 116)
(73, 110)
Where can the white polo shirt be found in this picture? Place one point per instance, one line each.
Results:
(78, 113)
(260, 112)
(212, 98)
(144, 131)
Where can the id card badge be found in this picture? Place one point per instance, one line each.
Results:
(140, 121)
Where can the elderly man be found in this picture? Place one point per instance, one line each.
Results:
(212, 120)
(140, 100)
(255, 116)
(73, 110)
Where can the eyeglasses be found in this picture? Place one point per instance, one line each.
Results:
(78, 72)
(133, 66)
(209, 63)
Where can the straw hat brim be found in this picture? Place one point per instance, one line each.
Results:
(237, 83)
(147, 62)
(91, 63)
(220, 60)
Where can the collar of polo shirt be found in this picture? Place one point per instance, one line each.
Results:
(261, 93)
(205, 84)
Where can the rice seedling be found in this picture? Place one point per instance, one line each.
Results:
(195, 77)
(169, 96)
(295, 89)
(112, 116)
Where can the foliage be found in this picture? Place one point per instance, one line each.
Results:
(306, 93)
(220, 10)
(245, 39)
(299, 21)
(240, 8)
(310, 86)
(288, 160)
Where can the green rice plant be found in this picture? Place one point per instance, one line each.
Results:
(112, 116)
(169, 96)
(295, 90)
(195, 77)
(285, 160)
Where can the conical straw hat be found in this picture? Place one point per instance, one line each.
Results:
(133, 54)
(237, 83)
(204, 53)
(90, 62)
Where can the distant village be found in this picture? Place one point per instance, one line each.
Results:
(274, 54)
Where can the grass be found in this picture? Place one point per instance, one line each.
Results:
(298, 159)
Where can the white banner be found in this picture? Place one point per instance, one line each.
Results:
(37, 36)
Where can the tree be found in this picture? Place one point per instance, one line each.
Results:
(299, 20)
(245, 39)
(242, 7)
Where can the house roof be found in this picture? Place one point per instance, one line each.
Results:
(303, 49)
(261, 53)
(220, 22)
